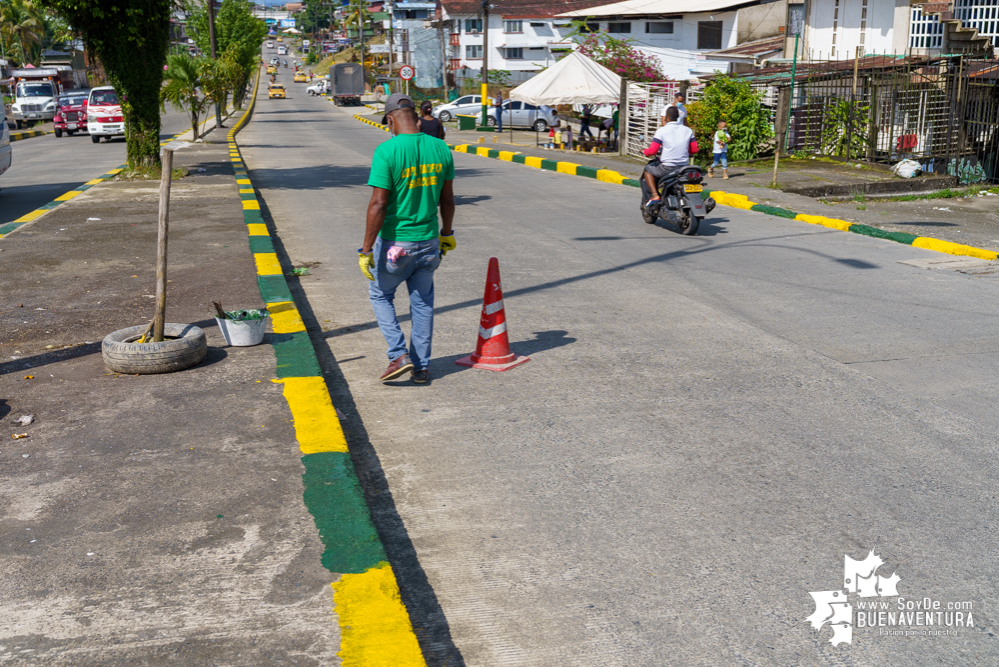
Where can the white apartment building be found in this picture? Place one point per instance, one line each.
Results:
(680, 33)
(836, 29)
(519, 43)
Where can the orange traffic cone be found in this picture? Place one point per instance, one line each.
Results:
(492, 352)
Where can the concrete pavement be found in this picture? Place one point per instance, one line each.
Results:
(148, 519)
(707, 426)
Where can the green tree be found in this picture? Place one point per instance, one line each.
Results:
(236, 31)
(217, 76)
(22, 25)
(733, 101)
(130, 38)
(182, 83)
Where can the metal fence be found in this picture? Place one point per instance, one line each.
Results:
(941, 112)
(645, 106)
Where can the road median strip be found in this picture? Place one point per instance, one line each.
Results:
(375, 628)
(21, 136)
(723, 198)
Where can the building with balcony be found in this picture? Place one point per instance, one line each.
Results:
(690, 37)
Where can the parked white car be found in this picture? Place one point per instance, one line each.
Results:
(6, 153)
(270, 43)
(465, 105)
(522, 114)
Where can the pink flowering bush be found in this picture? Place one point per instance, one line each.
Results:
(620, 57)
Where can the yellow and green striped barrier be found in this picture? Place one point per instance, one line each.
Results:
(20, 136)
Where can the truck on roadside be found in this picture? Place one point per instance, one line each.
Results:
(348, 84)
(36, 92)
(104, 115)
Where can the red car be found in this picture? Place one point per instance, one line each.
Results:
(72, 114)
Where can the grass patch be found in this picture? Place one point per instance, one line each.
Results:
(859, 198)
(862, 207)
(150, 174)
(947, 193)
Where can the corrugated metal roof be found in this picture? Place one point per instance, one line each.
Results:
(656, 7)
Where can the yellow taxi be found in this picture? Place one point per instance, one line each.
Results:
(301, 77)
(275, 90)
(272, 69)
(280, 39)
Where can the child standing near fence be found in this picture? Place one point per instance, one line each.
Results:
(720, 150)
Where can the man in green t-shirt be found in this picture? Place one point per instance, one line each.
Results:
(411, 176)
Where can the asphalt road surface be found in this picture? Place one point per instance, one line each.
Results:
(707, 426)
(46, 167)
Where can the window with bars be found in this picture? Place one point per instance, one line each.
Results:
(980, 14)
(513, 26)
(926, 31)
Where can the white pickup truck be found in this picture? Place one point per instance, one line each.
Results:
(104, 116)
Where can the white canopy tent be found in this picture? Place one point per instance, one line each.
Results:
(293, 31)
(575, 79)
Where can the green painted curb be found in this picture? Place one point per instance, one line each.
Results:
(632, 182)
(899, 237)
(588, 172)
(253, 218)
(519, 159)
(294, 353)
(334, 497)
(261, 244)
(774, 210)
(549, 165)
(9, 227)
(273, 289)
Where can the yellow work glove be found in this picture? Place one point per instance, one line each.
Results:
(366, 261)
(447, 243)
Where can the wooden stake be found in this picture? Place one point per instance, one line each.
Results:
(161, 245)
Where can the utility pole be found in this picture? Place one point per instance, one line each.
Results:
(485, 63)
(391, 13)
(211, 36)
(440, 33)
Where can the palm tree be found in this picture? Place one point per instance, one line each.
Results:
(23, 24)
(181, 88)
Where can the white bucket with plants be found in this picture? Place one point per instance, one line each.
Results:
(242, 328)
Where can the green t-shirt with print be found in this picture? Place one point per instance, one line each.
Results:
(413, 168)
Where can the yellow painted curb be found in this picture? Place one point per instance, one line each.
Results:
(251, 205)
(375, 628)
(267, 264)
(533, 162)
(831, 223)
(507, 156)
(317, 428)
(285, 317)
(257, 229)
(566, 168)
(953, 248)
(608, 176)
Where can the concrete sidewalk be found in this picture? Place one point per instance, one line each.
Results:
(148, 519)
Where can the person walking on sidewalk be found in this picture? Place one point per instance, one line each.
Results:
(427, 123)
(720, 150)
(411, 177)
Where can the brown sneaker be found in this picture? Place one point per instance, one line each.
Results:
(421, 376)
(397, 368)
(711, 172)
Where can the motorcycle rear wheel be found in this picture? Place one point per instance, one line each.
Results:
(688, 223)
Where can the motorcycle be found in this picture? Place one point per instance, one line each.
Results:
(680, 200)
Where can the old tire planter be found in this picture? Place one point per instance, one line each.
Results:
(187, 346)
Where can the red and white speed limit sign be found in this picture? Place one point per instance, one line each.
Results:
(406, 72)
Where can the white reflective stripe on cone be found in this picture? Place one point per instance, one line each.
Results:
(494, 307)
(486, 334)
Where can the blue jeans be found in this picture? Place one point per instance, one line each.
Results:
(721, 157)
(416, 268)
(499, 120)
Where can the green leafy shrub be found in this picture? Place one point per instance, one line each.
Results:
(733, 101)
